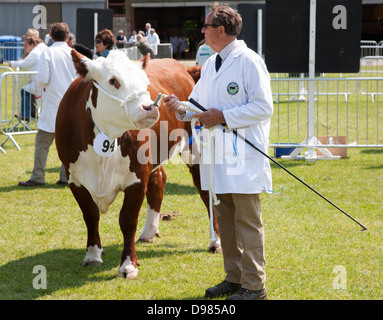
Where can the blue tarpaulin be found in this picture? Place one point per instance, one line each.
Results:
(10, 47)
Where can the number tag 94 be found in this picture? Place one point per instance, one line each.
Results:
(104, 146)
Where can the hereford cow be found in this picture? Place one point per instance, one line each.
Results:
(104, 141)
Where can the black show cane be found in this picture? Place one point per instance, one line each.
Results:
(281, 166)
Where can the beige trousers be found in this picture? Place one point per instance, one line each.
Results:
(242, 239)
(42, 143)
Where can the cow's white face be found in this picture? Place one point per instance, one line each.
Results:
(123, 102)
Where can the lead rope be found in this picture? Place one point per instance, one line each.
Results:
(211, 150)
(185, 105)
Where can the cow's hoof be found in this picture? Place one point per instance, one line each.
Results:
(127, 270)
(93, 256)
(215, 246)
(144, 239)
(215, 249)
(91, 263)
(130, 274)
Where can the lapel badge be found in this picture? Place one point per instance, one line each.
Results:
(232, 88)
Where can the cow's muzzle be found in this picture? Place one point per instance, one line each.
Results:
(149, 107)
(150, 111)
(154, 105)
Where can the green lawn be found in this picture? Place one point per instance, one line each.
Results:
(313, 251)
(307, 240)
(355, 115)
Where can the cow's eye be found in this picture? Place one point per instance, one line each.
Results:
(114, 82)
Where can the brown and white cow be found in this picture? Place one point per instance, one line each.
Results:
(115, 96)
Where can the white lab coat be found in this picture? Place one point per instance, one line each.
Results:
(55, 73)
(174, 41)
(154, 41)
(30, 63)
(182, 44)
(249, 108)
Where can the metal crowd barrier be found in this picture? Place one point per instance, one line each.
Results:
(356, 121)
(371, 66)
(5, 69)
(346, 107)
(357, 118)
(164, 50)
(133, 53)
(369, 48)
(19, 109)
(11, 51)
(296, 88)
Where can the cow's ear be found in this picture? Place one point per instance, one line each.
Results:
(78, 60)
(145, 60)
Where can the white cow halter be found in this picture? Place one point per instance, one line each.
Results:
(123, 102)
(103, 144)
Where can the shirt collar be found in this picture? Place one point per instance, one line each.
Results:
(224, 53)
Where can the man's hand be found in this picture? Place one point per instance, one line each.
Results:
(171, 103)
(211, 117)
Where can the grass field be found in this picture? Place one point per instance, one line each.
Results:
(313, 251)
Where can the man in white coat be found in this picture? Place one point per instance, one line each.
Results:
(154, 40)
(55, 73)
(235, 88)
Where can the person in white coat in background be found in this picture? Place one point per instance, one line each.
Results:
(55, 73)
(204, 52)
(235, 88)
(34, 47)
(182, 45)
(154, 40)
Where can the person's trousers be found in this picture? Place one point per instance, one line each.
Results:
(242, 239)
(42, 143)
(28, 108)
(25, 105)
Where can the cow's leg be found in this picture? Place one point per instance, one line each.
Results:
(154, 196)
(91, 216)
(134, 196)
(214, 245)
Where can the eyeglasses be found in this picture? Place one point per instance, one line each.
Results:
(98, 41)
(205, 25)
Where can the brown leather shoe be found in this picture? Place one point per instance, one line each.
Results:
(30, 183)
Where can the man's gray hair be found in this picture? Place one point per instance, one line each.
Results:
(229, 18)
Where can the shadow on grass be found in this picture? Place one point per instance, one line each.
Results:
(179, 189)
(290, 163)
(47, 170)
(64, 270)
(17, 187)
(373, 167)
(49, 185)
(170, 188)
(372, 151)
